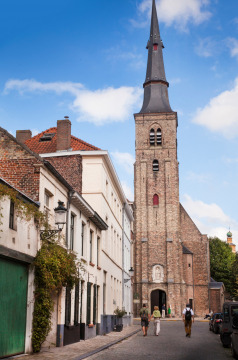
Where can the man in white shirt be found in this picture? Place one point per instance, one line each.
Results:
(188, 318)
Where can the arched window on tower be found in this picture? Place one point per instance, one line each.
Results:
(159, 137)
(152, 137)
(155, 200)
(155, 165)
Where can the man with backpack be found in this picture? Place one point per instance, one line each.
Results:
(145, 318)
(188, 318)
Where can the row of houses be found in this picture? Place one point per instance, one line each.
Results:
(46, 169)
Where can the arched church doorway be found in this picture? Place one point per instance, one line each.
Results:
(158, 298)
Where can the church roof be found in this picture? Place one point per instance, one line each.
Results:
(186, 250)
(156, 86)
(215, 284)
(46, 142)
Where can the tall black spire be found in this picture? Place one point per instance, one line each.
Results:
(156, 98)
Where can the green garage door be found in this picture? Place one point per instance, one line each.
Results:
(13, 302)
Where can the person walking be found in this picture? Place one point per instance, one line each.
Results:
(169, 311)
(163, 311)
(188, 318)
(145, 318)
(156, 315)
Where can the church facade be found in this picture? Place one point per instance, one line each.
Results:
(171, 255)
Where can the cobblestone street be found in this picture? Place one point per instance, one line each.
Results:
(171, 344)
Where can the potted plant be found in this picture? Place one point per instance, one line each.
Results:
(136, 298)
(119, 314)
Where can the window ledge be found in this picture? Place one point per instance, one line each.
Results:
(83, 259)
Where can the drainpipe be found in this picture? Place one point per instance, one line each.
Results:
(123, 252)
(193, 288)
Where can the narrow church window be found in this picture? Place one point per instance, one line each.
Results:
(155, 165)
(155, 200)
(155, 47)
(159, 137)
(152, 137)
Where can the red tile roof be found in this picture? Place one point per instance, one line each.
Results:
(43, 147)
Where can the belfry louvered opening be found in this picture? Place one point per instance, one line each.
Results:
(159, 137)
(155, 165)
(152, 137)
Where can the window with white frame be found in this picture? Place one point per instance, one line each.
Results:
(12, 217)
(91, 247)
(83, 239)
(72, 231)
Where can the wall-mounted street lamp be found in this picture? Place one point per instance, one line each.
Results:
(131, 273)
(60, 220)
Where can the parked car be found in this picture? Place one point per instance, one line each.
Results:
(214, 323)
(229, 310)
(234, 336)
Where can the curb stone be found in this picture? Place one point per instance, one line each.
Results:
(84, 356)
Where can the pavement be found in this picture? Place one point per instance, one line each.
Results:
(85, 348)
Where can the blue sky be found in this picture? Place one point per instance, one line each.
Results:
(87, 60)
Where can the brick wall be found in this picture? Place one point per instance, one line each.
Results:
(198, 245)
(161, 230)
(19, 167)
(215, 300)
(157, 228)
(70, 167)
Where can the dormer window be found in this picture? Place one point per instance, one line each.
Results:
(152, 137)
(47, 137)
(155, 165)
(159, 137)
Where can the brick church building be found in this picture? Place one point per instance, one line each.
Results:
(172, 264)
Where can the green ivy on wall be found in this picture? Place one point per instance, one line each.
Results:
(24, 210)
(55, 268)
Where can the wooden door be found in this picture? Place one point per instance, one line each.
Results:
(13, 305)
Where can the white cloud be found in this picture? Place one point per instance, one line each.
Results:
(210, 218)
(128, 191)
(98, 107)
(107, 105)
(230, 160)
(31, 85)
(206, 47)
(201, 178)
(35, 132)
(175, 81)
(125, 160)
(200, 210)
(232, 43)
(132, 58)
(220, 114)
(179, 13)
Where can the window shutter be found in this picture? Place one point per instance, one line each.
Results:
(94, 303)
(89, 303)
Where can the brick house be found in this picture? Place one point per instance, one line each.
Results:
(38, 182)
(90, 170)
(172, 263)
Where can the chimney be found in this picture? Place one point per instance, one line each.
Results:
(23, 135)
(63, 134)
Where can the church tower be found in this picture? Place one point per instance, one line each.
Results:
(158, 249)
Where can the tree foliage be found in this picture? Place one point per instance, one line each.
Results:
(223, 264)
